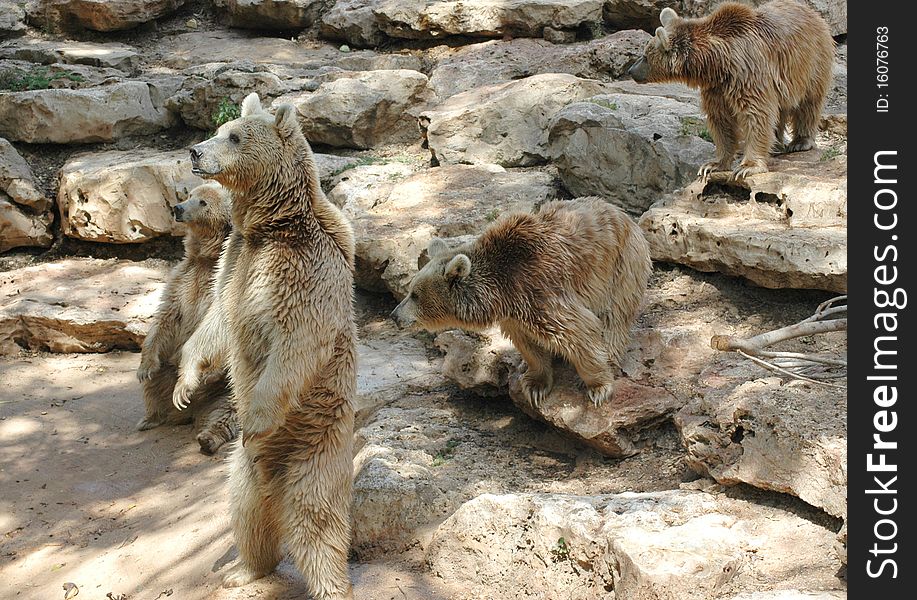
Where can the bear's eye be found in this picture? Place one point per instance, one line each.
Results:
(233, 138)
(203, 203)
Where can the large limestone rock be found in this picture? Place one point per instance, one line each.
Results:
(232, 47)
(504, 124)
(97, 15)
(395, 214)
(363, 109)
(110, 55)
(272, 14)
(25, 211)
(488, 364)
(63, 116)
(497, 61)
(644, 14)
(127, 196)
(674, 545)
(370, 22)
(744, 427)
(783, 229)
(396, 493)
(12, 19)
(208, 89)
(79, 305)
(124, 196)
(628, 149)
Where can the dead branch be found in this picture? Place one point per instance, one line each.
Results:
(814, 368)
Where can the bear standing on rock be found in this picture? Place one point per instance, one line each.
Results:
(568, 280)
(757, 70)
(283, 322)
(187, 297)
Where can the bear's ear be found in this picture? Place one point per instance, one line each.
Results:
(285, 120)
(663, 36)
(458, 267)
(667, 16)
(251, 105)
(436, 247)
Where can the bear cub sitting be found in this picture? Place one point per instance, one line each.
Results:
(568, 280)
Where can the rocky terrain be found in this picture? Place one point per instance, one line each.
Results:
(706, 477)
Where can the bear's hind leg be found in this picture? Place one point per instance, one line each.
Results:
(157, 399)
(805, 124)
(254, 522)
(538, 379)
(317, 518)
(220, 427)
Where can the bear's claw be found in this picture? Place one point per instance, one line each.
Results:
(600, 393)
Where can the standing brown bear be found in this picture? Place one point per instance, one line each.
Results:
(283, 322)
(186, 298)
(568, 280)
(757, 71)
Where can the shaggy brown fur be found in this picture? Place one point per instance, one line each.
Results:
(758, 70)
(186, 298)
(283, 321)
(568, 280)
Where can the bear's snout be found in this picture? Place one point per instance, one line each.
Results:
(639, 70)
(178, 210)
(195, 155)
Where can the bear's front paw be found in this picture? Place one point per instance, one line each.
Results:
(710, 167)
(149, 365)
(240, 574)
(537, 387)
(748, 168)
(600, 393)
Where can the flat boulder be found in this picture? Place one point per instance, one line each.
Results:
(489, 365)
(73, 116)
(79, 305)
(628, 149)
(396, 212)
(744, 426)
(673, 545)
(365, 23)
(97, 15)
(464, 68)
(112, 55)
(506, 123)
(783, 229)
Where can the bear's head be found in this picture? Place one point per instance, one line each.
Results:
(661, 60)
(208, 205)
(252, 149)
(438, 297)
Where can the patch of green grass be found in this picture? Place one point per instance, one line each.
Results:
(695, 126)
(561, 551)
(226, 111)
(39, 78)
(605, 103)
(446, 453)
(492, 215)
(830, 153)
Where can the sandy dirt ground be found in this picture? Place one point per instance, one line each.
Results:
(85, 499)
